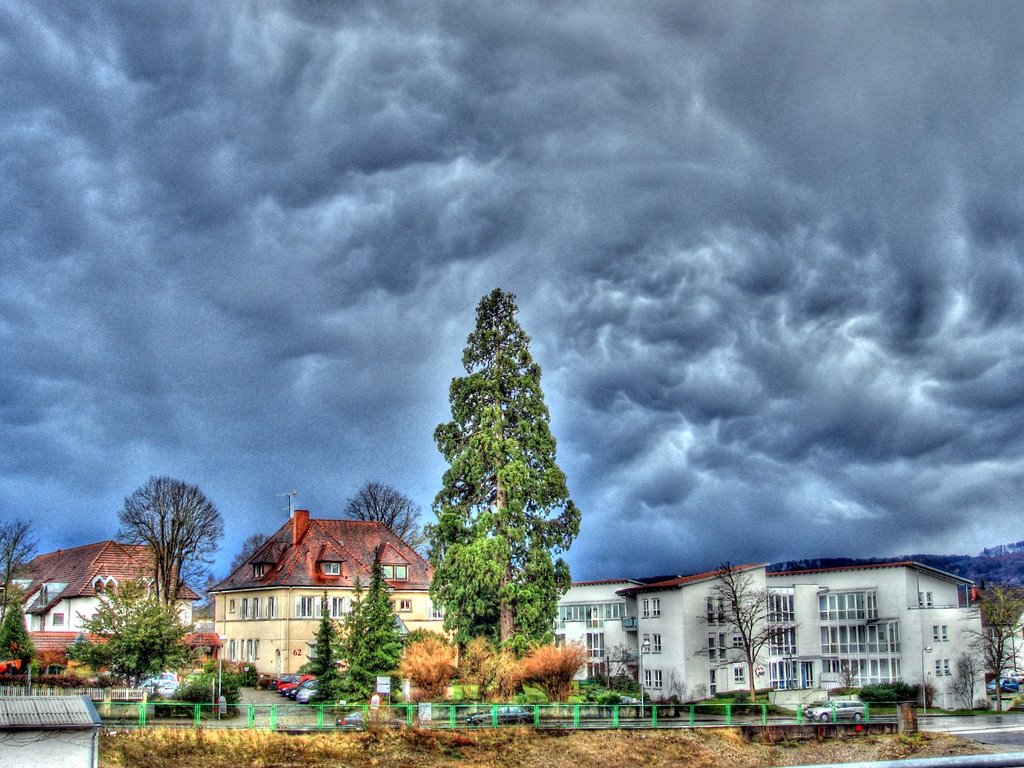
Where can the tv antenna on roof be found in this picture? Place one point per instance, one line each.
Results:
(291, 495)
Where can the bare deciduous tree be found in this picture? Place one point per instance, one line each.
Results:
(743, 607)
(383, 504)
(848, 671)
(965, 676)
(1001, 611)
(249, 546)
(16, 548)
(181, 527)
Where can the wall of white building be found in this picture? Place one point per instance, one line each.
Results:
(878, 624)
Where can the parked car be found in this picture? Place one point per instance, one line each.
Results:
(275, 684)
(1006, 685)
(284, 687)
(305, 692)
(357, 720)
(844, 710)
(293, 691)
(507, 715)
(165, 684)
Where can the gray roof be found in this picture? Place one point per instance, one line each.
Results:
(47, 713)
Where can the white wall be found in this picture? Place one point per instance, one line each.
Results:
(47, 748)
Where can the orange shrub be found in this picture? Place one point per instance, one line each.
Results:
(495, 673)
(429, 663)
(552, 669)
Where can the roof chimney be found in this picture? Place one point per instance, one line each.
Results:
(300, 522)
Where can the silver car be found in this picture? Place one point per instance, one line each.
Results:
(844, 710)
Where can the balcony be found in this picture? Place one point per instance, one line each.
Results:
(630, 623)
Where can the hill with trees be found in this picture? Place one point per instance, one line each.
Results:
(1000, 565)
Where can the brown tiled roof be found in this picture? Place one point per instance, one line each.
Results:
(52, 641)
(349, 542)
(80, 567)
(203, 639)
(680, 581)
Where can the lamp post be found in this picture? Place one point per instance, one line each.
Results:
(645, 647)
(924, 681)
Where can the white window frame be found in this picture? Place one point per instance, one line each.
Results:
(301, 604)
(331, 568)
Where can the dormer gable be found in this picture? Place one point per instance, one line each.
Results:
(393, 564)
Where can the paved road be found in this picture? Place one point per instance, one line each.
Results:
(1003, 731)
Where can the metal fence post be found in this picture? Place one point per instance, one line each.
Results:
(728, 714)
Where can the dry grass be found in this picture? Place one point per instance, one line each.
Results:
(505, 748)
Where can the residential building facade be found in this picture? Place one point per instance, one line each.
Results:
(831, 628)
(592, 615)
(268, 611)
(877, 623)
(63, 588)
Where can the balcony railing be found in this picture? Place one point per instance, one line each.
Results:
(630, 623)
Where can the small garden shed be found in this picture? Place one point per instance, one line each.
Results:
(45, 731)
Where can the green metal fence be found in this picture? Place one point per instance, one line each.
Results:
(332, 717)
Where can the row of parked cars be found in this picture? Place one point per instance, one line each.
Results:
(300, 688)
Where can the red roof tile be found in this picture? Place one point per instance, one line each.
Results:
(349, 542)
(680, 581)
(80, 567)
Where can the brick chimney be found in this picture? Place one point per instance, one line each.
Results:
(300, 523)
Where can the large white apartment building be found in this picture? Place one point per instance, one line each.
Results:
(836, 626)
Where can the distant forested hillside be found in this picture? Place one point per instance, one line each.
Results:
(1001, 565)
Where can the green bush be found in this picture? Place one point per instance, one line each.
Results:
(198, 689)
(889, 693)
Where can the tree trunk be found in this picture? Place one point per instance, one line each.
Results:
(506, 619)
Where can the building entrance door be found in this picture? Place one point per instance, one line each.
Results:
(806, 674)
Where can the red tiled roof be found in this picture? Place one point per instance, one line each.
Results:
(52, 641)
(202, 639)
(680, 581)
(349, 542)
(80, 567)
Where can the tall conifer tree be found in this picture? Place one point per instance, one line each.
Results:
(504, 509)
(372, 644)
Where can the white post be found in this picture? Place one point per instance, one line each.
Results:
(924, 681)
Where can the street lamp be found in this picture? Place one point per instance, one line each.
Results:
(924, 681)
(645, 647)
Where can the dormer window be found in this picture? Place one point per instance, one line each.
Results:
(395, 572)
(258, 570)
(331, 569)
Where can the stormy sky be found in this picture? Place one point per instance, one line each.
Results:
(769, 255)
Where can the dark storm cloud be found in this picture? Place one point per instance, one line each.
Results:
(770, 258)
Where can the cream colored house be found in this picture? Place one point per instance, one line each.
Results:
(268, 611)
